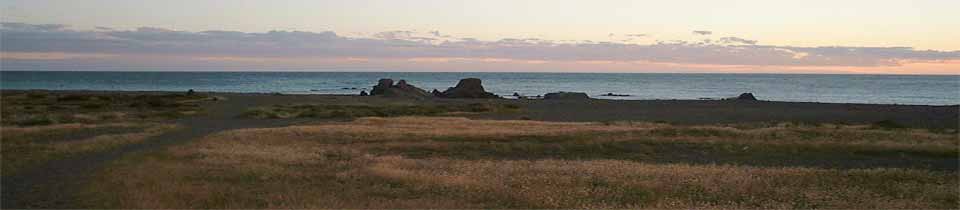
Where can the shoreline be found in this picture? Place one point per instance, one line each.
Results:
(502, 97)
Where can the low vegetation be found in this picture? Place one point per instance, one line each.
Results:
(448, 162)
(37, 108)
(354, 111)
(30, 146)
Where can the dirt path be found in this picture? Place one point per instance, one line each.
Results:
(56, 184)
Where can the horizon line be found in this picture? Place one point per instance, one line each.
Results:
(481, 72)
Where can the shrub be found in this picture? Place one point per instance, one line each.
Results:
(37, 95)
(37, 120)
(93, 105)
(75, 97)
(162, 103)
(886, 125)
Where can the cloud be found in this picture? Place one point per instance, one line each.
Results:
(404, 45)
(439, 35)
(394, 34)
(704, 33)
(737, 40)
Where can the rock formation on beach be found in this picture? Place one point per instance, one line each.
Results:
(616, 95)
(747, 96)
(468, 88)
(566, 96)
(385, 87)
(381, 87)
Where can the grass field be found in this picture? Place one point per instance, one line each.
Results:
(40, 126)
(30, 146)
(448, 162)
(33, 108)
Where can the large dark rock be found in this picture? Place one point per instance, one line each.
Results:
(747, 96)
(468, 88)
(566, 96)
(385, 87)
(381, 87)
(616, 95)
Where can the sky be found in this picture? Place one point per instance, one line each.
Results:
(747, 36)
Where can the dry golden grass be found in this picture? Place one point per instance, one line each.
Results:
(362, 164)
(399, 128)
(107, 142)
(625, 184)
(377, 128)
(26, 146)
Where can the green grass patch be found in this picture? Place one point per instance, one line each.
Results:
(35, 108)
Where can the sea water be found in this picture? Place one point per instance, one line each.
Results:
(875, 89)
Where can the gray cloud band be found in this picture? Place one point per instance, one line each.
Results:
(20, 37)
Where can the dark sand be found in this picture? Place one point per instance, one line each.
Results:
(687, 112)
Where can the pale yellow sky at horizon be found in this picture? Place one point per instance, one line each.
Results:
(758, 36)
(923, 24)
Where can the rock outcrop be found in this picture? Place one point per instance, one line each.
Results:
(385, 87)
(747, 96)
(468, 88)
(566, 96)
(382, 87)
(616, 95)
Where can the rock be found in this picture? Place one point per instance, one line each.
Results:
(468, 88)
(566, 96)
(436, 93)
(615, 95)
(385, 87)
(363, 93)
(747, 96)
(381, 86)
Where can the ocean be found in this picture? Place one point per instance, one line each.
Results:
(873, 89)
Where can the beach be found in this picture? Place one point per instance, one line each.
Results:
(119, 142)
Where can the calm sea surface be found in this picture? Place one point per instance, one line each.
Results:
(881, 89)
